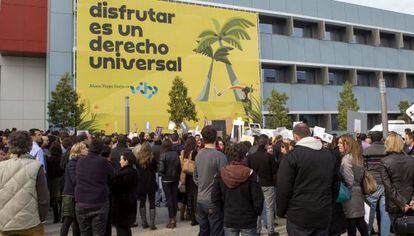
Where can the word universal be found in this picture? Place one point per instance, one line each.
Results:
(101, 10)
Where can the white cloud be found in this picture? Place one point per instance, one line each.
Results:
(404, 6)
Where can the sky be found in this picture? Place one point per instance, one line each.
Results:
(404, 6)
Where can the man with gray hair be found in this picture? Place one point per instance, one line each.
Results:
(307, 185)
(24, 198)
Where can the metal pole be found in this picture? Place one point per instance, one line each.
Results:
(127, 115)
(384, 111)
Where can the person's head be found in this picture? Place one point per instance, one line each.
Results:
(263, 142)
(78, 149)
(20, 143)
(166, 145)
(121, 140)
(348, 145)
(45, 141)
(135, 142)
(376, 136)
(407, 131)
(237, 152)
(220, 143)
(301, 131)
(106, 151)
(144, 156)
(127, 158)
(248, 144)
(285, 147)
(96, 146)
(82, 138)
(197, 137)
(209, 134)
(5, 139)
(146, 137)
(67, 143)
(107, 141)
(362, 136)
(175, 137)
(394, 144)
(410, 138)
(189, 146)
(36, 135)
(55, 149)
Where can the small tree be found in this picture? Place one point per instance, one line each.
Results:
(64, 109)
(278, 110)
(180, 105)
(403, 106)
(347, 102)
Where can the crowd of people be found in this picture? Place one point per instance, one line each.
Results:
(94, 182)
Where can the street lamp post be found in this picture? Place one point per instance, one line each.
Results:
(126, 115)
(384, 111)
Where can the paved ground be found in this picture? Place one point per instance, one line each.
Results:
(183, 228)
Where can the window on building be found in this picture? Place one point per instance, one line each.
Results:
(361, 36)
(366, 79)
(408, 42)
(387, 40)
(275, 74)
(306, 75)
(312, 120)
(335, 33)
(338, 77)
(410, 81)
(304, 29)
(272, 25)
(391, 80)
(334, 122)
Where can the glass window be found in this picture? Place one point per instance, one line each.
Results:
(337, 77)
(272, 25)
(334, 122)
(410, 81)
(304, 29)
(391, 80)
(366, 79)
(386, 40)
(408, 43)
(275, 74)
(361, 36)
(306, 76)
(312, 120)
(269, 75)
(335, 33)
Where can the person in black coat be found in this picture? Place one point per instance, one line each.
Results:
(121, 147)
(123, 189)
(307, 185)
(147, 185)
(54, 176)
(237, 190)
(170, 169)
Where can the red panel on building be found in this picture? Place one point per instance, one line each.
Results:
(23, 27)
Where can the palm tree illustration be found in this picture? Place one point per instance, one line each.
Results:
(232, 32)
(219, 55)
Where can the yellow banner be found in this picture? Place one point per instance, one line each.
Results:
(136, 49)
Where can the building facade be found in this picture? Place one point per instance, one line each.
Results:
(308, 49)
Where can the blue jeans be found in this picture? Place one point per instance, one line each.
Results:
(263, 216)
(160, 199)
(379, 198)
(241, 232)
(92, 221)
(210, 220)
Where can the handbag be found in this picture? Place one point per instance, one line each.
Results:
(188, 165)
(404, 224)
(369, 184)
(344, 194)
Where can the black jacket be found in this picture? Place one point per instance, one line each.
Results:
(124, 201)
(308, 185)
(265, 165)
(170, 166)
(70, 177)
(397, 173)
(237, 190)
(147, 181)
(116, 155)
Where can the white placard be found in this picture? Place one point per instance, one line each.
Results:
(357, 126)
(147, 126)
(171, 125)
(318, 131)
(327, 138)
(410, 112)
(287, 134)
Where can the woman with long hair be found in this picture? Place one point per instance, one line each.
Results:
(352, 172)
(170, 170)
(68, 208)
(187, 159)
(147, 185)
(397, 174)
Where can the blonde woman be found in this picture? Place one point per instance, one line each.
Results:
(352, 172)
(147, 185)
(68, 210)
(397, 174)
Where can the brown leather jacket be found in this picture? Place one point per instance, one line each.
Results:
(397, 173)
